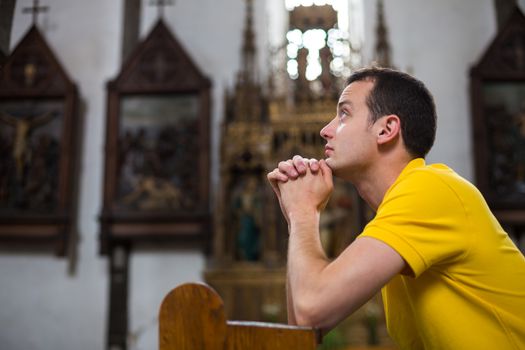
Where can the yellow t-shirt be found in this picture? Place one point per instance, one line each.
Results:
(467, 290)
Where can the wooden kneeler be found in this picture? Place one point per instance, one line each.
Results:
(192, 318)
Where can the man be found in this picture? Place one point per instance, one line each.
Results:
(450, 276)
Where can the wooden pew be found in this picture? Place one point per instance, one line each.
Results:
(192, 317)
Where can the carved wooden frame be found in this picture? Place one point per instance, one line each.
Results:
(178, 76)
(500, 64)
(48, 81)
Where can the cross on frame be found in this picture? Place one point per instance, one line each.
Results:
(161, 4)
(35, 9)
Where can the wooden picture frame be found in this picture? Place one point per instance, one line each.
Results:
(38, 123)
(497, 84)
(156, 185)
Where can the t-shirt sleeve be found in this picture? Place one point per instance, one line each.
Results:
(424, 220)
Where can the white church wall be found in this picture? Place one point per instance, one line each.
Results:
(44, 307)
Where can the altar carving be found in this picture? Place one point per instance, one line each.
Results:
(261, 127)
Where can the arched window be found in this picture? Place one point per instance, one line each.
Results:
(322, 46)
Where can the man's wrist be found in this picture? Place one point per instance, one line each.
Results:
(303, 219)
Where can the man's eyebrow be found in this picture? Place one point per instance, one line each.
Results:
(345, 102)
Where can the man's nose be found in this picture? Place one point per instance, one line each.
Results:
(327, 132)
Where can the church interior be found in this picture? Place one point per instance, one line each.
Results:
(135, 139)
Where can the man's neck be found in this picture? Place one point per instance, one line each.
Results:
(374, 184)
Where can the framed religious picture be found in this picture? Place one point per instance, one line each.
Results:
(503, 107)
(498, 110)
(157, 141)
(157, 147)
(37, 149)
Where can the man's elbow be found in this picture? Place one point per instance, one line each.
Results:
(308, 313)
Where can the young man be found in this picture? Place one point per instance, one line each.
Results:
(451, 278)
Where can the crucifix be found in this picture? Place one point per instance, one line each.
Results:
(35, 9)
(161, 4)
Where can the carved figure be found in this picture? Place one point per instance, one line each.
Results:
(154, 194)
(247, 207)
(23, 128)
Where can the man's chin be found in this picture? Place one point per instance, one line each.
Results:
(337, 171)
(331, 165)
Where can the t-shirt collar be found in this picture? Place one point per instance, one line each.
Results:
(413, 164)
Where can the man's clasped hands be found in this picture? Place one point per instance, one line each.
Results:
(303, 186)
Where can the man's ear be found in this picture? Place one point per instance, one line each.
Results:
(389, 128)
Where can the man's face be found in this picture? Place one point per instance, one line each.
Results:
(350, 139)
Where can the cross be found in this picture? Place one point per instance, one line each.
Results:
(161, 4)
(35, 9)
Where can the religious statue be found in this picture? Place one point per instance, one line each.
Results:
(247, 207)
(327, 78)
(303, 91)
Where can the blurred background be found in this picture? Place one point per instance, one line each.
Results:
(150, 127)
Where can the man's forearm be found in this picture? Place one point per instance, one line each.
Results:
(306, 261)
(289, 303)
